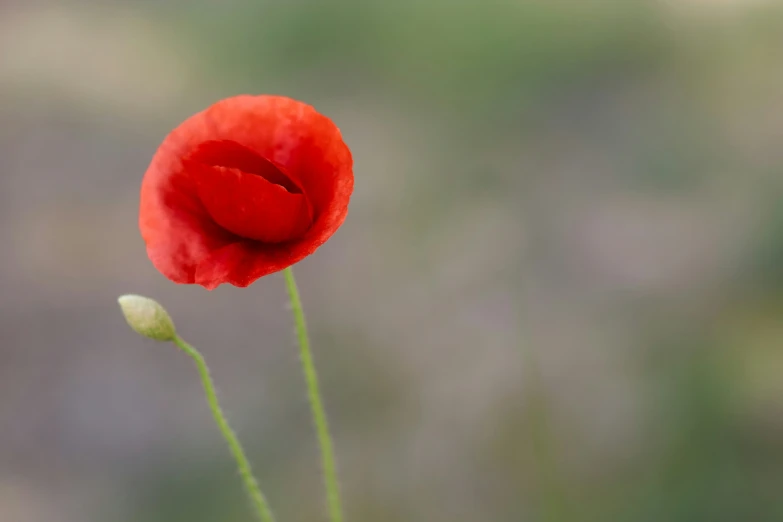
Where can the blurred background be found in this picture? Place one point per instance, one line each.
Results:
(558, 295)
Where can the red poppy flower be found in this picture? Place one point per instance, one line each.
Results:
(245, 188)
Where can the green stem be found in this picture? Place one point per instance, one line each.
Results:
(316, 404)
(251, 485)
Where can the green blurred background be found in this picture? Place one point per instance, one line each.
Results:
(558, 295)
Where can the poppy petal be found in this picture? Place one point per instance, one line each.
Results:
(250, 206)
(226, 153)
(240, 264)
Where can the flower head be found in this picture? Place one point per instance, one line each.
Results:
(247, 187)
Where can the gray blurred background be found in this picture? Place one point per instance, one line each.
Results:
(558, 295)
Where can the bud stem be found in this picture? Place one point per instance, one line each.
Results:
(328, 461)
(251, 485)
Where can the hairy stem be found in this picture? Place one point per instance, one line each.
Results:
(328, 461)
(257, 498)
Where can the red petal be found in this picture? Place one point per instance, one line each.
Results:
(175, 225)
(241, 263)
(291, 134)
(226, 153)
(250, 206)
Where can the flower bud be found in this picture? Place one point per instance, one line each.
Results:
(147, 317)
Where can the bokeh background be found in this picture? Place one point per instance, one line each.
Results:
(558, 295)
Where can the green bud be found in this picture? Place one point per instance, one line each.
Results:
(147, 317)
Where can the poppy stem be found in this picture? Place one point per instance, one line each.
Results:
(328, 460)
(251, 485)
